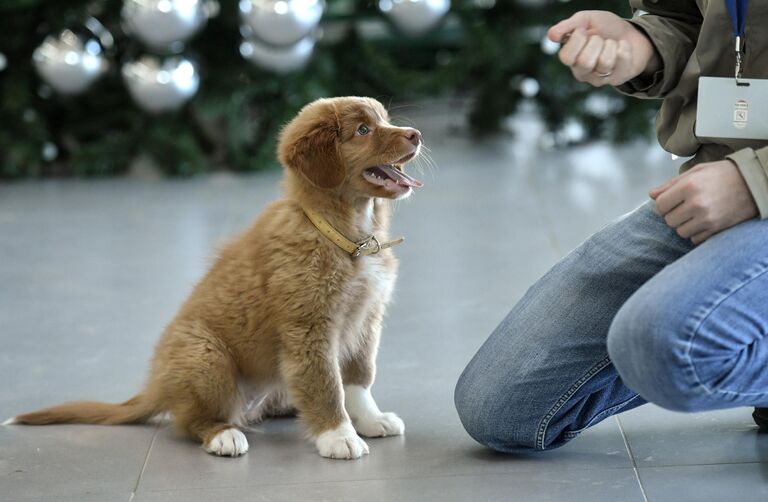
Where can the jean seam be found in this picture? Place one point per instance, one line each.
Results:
(542, 430)
(609, 411)
(698, 326)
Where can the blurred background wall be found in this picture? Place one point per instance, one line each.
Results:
(88, 87)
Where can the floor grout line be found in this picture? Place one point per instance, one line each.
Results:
(708, 464)
(144, 464)
(355, 480)
(632, 459)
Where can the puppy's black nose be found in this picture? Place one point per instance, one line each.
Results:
(413, 135)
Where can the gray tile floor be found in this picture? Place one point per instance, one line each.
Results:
(90, 271)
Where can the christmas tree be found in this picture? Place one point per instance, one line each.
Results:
(196, 85)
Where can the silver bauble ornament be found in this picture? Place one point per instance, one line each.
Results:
(49, 151)
(3, 61)
(571, 132)
(280, 22)
(159, 85)
(69, 62)
(548, 46)
(529, 87)
(166, 24)
(279, 59)
(415, 17)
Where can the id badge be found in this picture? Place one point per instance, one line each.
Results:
(727, 110)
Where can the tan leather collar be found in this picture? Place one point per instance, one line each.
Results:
(368, 246)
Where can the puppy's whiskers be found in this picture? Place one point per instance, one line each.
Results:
(425, 161)
(405, 106)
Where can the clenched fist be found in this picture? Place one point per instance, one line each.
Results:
(604, 49)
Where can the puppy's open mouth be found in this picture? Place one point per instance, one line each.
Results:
(392, 176)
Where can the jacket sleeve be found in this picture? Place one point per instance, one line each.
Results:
(753, 166)
(673, 28)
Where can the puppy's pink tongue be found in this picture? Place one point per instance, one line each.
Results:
(400, 177)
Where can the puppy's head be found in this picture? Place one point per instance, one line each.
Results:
(348, 145)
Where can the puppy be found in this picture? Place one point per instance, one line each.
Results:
(290, 314)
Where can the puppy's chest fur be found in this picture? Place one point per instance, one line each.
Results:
(358, 312)
(364, 299)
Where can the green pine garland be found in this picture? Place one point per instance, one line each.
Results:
(232, 122)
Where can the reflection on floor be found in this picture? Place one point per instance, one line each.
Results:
(91, 272)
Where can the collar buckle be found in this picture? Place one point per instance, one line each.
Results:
(369, 245)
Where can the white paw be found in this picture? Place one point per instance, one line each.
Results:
(384, 424)
(10, 421)
(228, 443)
(341, 442)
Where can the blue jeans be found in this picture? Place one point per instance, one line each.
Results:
(635, 314)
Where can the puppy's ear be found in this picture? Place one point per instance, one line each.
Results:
(311, 146)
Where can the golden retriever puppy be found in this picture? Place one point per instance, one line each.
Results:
(289, 315)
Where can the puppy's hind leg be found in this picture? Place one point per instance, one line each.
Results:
(219, 438)
(217, 435)
(204, 399)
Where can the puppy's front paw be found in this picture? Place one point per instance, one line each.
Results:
(227, 443)
(341, 443)
(383, 424)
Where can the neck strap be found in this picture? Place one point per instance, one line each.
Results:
(368, 246)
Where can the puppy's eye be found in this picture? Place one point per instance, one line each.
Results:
(363, 130)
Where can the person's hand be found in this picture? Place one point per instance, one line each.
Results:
(705, 200)
(604, 49)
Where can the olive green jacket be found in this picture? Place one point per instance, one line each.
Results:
(694, 38)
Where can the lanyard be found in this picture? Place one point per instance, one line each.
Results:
(737, 9)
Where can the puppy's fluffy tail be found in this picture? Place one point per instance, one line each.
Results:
(137, 409)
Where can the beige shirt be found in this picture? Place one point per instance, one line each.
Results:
(695, 38)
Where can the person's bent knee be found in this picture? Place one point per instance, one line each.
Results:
(646, 348)
(490, 417)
